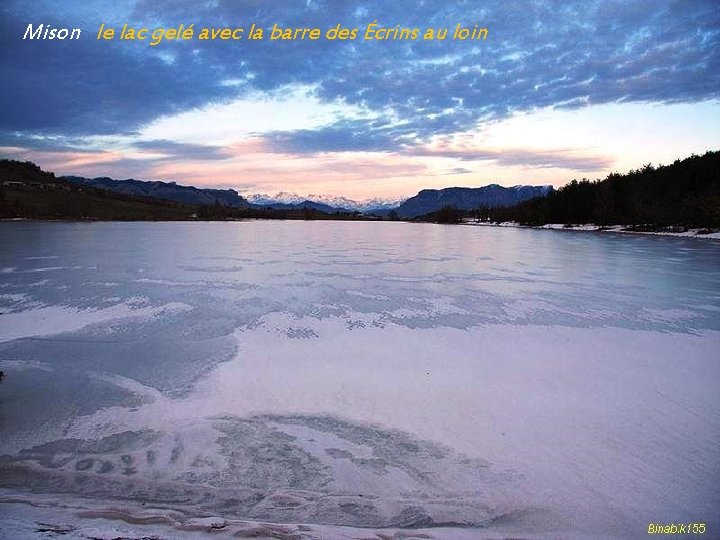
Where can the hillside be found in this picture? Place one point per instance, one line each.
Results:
(684, 194)
(26, 191)
(169, 191)
(493, 195)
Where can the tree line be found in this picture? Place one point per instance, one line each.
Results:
(685, 194)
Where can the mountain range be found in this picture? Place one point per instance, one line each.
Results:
(425, 202)
(684, 194)
(168, 191)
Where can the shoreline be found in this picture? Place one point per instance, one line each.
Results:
(617, 229)
(621, 229)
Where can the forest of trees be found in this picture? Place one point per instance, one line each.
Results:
(682, 195)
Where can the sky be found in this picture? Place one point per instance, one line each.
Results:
(558, 90)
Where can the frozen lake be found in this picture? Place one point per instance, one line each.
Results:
(368, 375)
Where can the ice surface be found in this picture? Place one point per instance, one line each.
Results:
(460, 381)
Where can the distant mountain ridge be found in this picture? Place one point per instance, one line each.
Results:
(168, 191)
(493, 195)
(171, 191)
(301, 204)
(425, 202)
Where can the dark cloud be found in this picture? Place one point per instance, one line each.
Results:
(55, 143)
(85, 87)
(537, 54)
(347, 136)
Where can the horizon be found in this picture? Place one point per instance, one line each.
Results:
(550, 95)
(310, 196)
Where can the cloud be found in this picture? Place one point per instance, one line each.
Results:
(347, 136)
(532, 158)
(542, 54)
(170, 150)
(292, 107)
(88, 88)
(358, 136)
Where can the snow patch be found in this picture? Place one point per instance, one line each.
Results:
(50, 320)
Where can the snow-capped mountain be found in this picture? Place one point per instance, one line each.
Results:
(286, 198)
